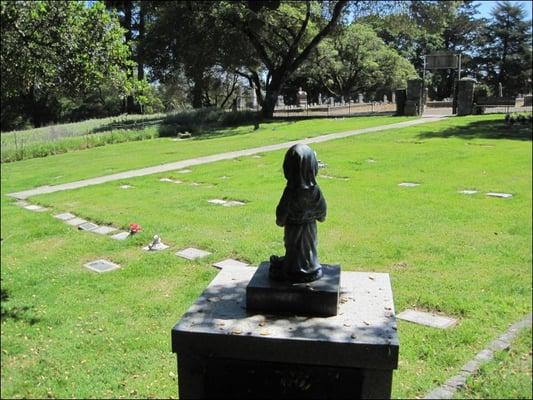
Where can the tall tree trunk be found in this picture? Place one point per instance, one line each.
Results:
(128, 15)
(140, 64)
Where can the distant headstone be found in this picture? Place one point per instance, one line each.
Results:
(301, 98)
(101, 266)
(465, 96)
(500, 89)
(280, 101)
(393, 97)
(385, 99)
(320, 98)
(331, 101)
(191, 253)
(360, 98)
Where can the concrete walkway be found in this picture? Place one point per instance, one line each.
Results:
(215, 157)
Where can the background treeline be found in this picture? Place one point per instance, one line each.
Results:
(65, 61)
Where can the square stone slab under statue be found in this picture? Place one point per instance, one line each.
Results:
(101, 266)
(225, 350)
(320, 297)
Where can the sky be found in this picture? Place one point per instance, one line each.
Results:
(486, 6)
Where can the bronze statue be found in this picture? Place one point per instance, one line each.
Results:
(300, 206)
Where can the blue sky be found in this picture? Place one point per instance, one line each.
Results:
(486, 6)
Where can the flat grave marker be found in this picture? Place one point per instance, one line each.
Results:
(101, 266)
(191, 253)
(64, 216)
(170, 180)
(217, 201)
(120, 236)
(36, 208)
(468, 191)
(426, 318)
(500, 195)
(104, 230)
(408, 184)
(21, 203)
(126, 186)
(87, 226)
(233, 203)
(75, 221)
(229, 263)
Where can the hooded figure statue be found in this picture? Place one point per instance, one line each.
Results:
(300, 206)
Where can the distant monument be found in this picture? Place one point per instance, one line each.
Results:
(301, 98)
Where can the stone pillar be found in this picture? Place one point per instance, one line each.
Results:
(400, 97)
(320, 98)
(500, 89)
(331, 101)
(413, 103)
(360, 98)
(280, 102)
(385, 99)
(465, 96)
(393, 97)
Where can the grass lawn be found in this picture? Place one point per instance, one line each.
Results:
(125, 156)
(507, 376)
(69, 332)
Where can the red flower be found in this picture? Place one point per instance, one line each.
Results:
(134, 228)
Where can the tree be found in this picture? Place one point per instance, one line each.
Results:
(506, 55)
(283, 35)
(357, 60)
(56, 48)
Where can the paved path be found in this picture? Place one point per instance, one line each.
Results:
(215, 157)
(448, 389)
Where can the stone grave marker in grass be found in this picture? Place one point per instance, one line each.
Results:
(229, 263)
(120, 236)
(21, 203)
(75, 221)
(36, 208)
(408, 184)
(101, 266)
(192, 253)
(170, 180)
(126, 186)
(87, 226)
(500, 195)
(64, 216)
(217, 201)
(426, 318)
(104, 230)
(468, 191)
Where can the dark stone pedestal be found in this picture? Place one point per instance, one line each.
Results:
(227, 351)
(318, 298)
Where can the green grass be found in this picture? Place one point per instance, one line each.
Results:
(507, 376)
(125, 156)
(466, 256)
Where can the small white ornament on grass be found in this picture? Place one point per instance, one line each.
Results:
(156, 245)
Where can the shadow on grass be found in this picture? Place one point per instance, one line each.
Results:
(15, 313)
(483, 130)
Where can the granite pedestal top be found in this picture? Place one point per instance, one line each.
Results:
(362, 334)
